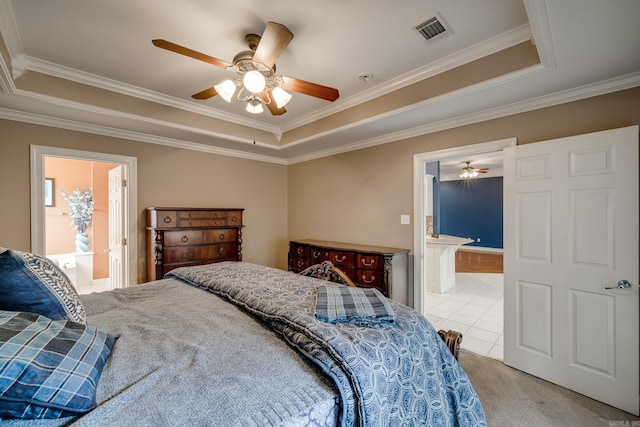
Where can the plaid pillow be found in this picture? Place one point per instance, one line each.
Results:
(49, 368)
(358, 306)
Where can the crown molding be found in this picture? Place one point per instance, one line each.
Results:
(55, 70)
(541, 29)
(11, 37)
(6, 81)
(465, 91)
(587, 91)
(141, 119)
(38, 119)
(601, 88)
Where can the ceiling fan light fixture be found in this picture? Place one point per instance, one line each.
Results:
(254, 81)
(280, 96)
(226, 89)
(468, 174)
(254, 106)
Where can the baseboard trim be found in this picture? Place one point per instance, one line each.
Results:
(481, 249)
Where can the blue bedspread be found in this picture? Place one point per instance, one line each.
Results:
(401, 374)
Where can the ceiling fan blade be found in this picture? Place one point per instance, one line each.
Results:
(205, 94)
(311, 89)
(164, 44)
(271, 105)
(274, 40)
(482, 170)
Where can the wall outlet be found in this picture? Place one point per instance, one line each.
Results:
(478, 239)
(405, 219)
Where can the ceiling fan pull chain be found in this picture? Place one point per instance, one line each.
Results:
(254, 128)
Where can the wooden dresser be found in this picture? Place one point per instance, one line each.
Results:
(385, 269)
(178, 237)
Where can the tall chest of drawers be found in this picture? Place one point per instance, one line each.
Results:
(179, 237)
(383, 268)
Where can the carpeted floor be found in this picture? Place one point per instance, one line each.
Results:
(513, 398)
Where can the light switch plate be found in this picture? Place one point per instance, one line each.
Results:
(405, 219)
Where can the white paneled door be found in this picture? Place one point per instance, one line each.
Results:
(571, 263)
(117, 236)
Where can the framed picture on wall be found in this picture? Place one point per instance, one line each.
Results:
(49, 185)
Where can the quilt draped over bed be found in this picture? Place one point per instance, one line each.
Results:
(401, 374)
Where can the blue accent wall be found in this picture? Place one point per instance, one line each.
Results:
(473, 208)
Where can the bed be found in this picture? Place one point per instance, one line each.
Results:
(239, 344)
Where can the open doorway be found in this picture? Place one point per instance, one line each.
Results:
(84, 258)
(128, 262)
(479, 293)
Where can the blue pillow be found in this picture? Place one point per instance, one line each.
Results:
(36, 284)
(49, 368)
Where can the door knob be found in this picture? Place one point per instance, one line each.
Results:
(622, 284)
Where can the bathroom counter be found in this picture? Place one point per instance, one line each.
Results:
(440, 261)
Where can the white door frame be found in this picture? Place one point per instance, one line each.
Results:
(38, 154)
(419, 161)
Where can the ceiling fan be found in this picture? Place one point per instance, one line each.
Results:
(469, 172)
(256, 81)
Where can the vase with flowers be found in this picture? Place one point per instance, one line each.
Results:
(81, 212)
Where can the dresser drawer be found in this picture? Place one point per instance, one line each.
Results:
(220, 252)
(203, 222)
(299, 250)
(186, 215)
(234, 218)
(341, 259)
(299, 264)
(202, 218)
(182, 254)
(220, 235)
(370, 262)
(369, 278)
(318, 255)
(183, 238)
(165, 218)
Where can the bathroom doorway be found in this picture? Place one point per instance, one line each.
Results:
(41, 207)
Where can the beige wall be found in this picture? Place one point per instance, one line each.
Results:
(358, 197)
(353, 197)
(166, 177)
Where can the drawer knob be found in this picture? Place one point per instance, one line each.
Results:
(300, 251)
(370, 264)
(223, 251)
(184, 239)
(221, 236)
(368, 282)
(167, 219)
(234, 218)
(344, 257)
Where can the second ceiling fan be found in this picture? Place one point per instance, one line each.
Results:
(256, 82)
(470, 172)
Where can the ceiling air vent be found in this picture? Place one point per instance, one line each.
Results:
(433, 29)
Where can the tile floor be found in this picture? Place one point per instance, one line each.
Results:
(473, 307)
